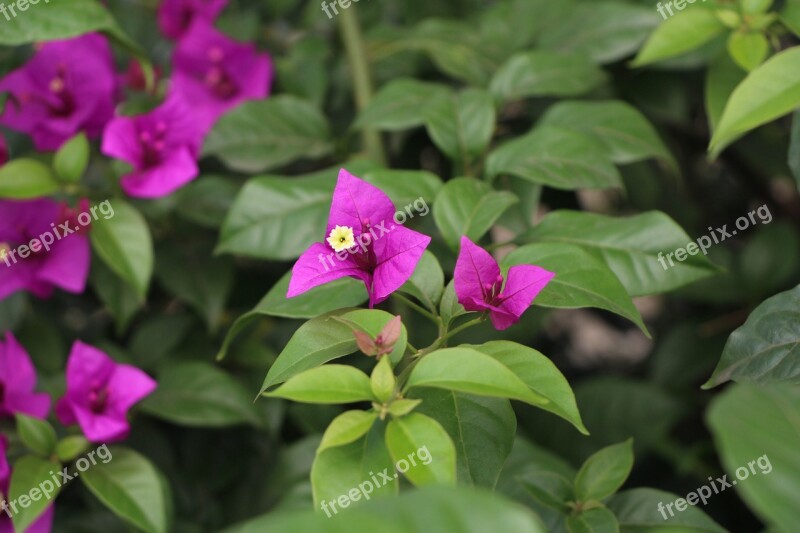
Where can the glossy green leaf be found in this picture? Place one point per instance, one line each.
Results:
(468, 370)
(468, 207)
(400, 104)
(768, 92)
(22, 179)
(338, 294)
(680, 34)
(72, 158)
(408, 437)
(123, 242)
(29, 474)
(38, 435)
(426, 284)
(481, 428)
(604, 472)
(197, 394)
(346, 428)
(461, 125)
(327, 337)
(266, 134)
(766, 349)
(326, 384)
(757, 434)
(630, 246)
(132, 488)
(582, 280)
(623, 129)
(556, 157)
(540, 374)
(545, 73)
(637, 510)
(597, 520)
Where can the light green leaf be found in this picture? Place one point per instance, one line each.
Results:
(449, 307)
(748, 49)
(426, 284)
(326, 384)
(38, 435)
(582, 280)
(468, 370)
(72, 158)
(69, 448)
(132, 488)
(723, 76)
(766, 349)
(541, 375)
(556, 157)
(123, 242)
(59, 20)
(630, 246)
(406, 437)
(22, 179)
(197, 394)
(680, 34)
(468, 207)
(28, 473)
(265, 134)
(545, 73)
(346, 428)
(382, 381)
(604, 473)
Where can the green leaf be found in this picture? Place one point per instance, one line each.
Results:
(794, 148)
(449, 307)
(72, 158)
(604, 473)
(748, 49)
(724, 75)
(407, 436)
(637, 510)
(597, 520)
(790, 16)
(406, 187)
(678, 35)
(461, 125)
(605, 31)
(59, 20)
(123, 242)
(132, 488)
(481, 428)
(38, 435)
(540, 374)
(766, 349)
(756, 6)
(276, 217)
(22, 179)
(768, 92)
(69, 448)
(545, 73)
(468, 370)
(346, 428)
(402, 407)
(117, 295)
(206, 200)
(327, 337)
(556, 157)
(29, 474)
(581, 280)
(341, 476)
(625, 131)
(326, 384)
(197, 394)
(426, 284)
(400, 104)
(382, 381)
(265, 134)
(630, 246)
(757, 434)
(468, 207)
(338, 294)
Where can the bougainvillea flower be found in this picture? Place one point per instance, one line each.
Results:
(479, 285)
(99, 394)
(43, 524)
(18, 381)
(67, 87)
(176, 16)
(3, 151)
(41, 248)
(162, 146)
(384, 254)
(215, 73)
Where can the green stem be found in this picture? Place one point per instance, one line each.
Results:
(462, 327)
(362, 83)
(418, 308)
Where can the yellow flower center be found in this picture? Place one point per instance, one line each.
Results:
(341, 238)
